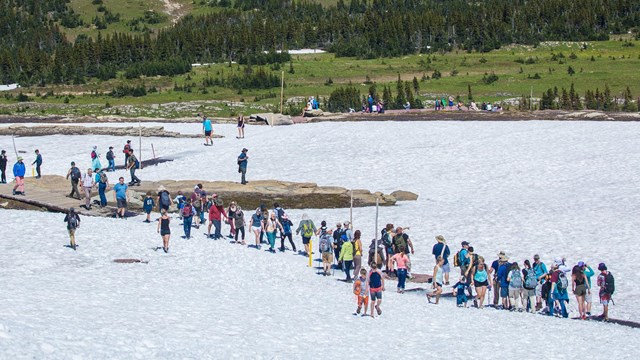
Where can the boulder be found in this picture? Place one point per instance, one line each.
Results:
(313, 113)
(402, 195)
(272, 119)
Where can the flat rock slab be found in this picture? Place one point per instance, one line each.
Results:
(147, 131)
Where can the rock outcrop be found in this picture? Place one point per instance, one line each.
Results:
(272, 119)
(402, 195)
(147, 131)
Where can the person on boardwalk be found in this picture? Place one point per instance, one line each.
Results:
(243, 161)
(3, 167)
(38, 163)
(103, 183)
(147, 205)
(580, 288)
(357, 252)
(95, 159)
(207, 128)
(87, 184)
(216, 212)
(256, 226)
(346, 257)
(307, 228)
(325, 246)
(442, 249)
(241, 126)
(271, 226)
(376, 287)
(607, 288)
(18, 173)
(361, 291)
(111, 158)
(122, 197)
(187, 218)
(125, 150)
(73, 223)
(164, 230)
(437, 280)
(401, 261)
(238, 221)
(132, 165)
(286, 233)
(75, 175)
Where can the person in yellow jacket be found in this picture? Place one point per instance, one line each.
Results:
(346, 256)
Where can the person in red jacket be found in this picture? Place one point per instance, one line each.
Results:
(216, 212)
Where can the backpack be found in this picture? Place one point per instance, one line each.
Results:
(337, 236)
(386, 239)
(164, 199)
(75, 174)
(325, 243)
(187, 210)
(307, 230)
(563, 282)
(137, 165)
(531, 281)
(400, 241)
(110, 155)
(609, 284)
(72, 221)
(103, 178)
(456, 260)
(516, 279)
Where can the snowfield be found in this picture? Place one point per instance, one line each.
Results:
(553, 188)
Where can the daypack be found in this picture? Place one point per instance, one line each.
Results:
(456, 260)
(531, 281)
(110, 155)
(137, 165)
(400, 241)
(563, 282)
(164, 199)
(307, 230)
(337, 236)
(325, 243)
(94, 155)
(386, 239)
(516, 279)
(72, 221)
(187, 210)
(103, 178)
(75, 174)
(609, 284)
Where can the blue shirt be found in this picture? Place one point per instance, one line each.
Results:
(243, 160)
(121, 191)
(589, 273)
(437, 250)
(207, 125)
(255, 220)
(480, 276)
(503, 272)
(19, 169)
(149, 203)
(540, 269)
(464, 260)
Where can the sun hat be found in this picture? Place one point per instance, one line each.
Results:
(161, 188)
(440, 238)
(19, 158)
(503, 257)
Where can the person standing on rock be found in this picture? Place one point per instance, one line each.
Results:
(103, 183)
(87, 184)
(243, 160)
(75, 175)
(132, 165)
(126, 150)
(38, 164)
(18, 173)
(207, 127)
(3, 166)
(95, 159)
(111, 158)
(73, 223)
(122, 197)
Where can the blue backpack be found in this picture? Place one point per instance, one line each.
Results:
(531, 281)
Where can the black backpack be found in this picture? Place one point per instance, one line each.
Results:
(75, 174)
(609, 284)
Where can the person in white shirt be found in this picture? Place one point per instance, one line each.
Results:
(87, 184)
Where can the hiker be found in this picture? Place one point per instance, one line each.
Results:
(515, 287)
(164, 198)
(256, 226)
(111, 159)
(437, 281)
(607, 287)
(325, 246)
(3, 167)
(197, 203)
(38, 164)
(122, 197)
(127, 148)
(588, 272)
(241, 123)
(580, 288)
(18, 173)
(271, 226)
(132, 165)
(493, 275)
(462, 259)
(502, 274)
(238, 220)
(401, 260)
(180, 200)
(481, 282)
(232, 224)
(187, 218)
(529, 285)
(103, 183)
(357, 253)
(164, 230)
(216, 212)
(376, 254)
(346, 257)
(401, 239)
(73, 223)
(243, 160)
(208, 130)
(558, 291)
(147, 205)
(361, 290)
(75, 175)
(459, 292)
(541, 271)
(265, 217)
(307, 228)
(442, 249)
(87, 185)
(387, 239)
(286, 233)
(337, 243)
(376, 287)
(95, 159)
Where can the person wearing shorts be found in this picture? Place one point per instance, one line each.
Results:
(208, 130)
(327, 257)
(122, 195)
(376, 287)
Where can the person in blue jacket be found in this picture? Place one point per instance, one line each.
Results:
(541, 272)
(503, 272)
(18, 172)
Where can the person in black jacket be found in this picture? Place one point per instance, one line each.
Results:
(3, 166)
(73, 222)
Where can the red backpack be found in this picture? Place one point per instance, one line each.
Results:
(187, 210)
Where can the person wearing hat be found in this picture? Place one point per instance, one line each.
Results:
(243, 160)
(18, 173)
(541, 273)
(337, 243)
(95, 159)
(75, 175)
(3, 167)
(38, 163)
(73, 222)
(111, 158)
(442, 249)
(607, 287)
(502, 274)
(493, 275)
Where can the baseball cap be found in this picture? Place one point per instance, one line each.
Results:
(558, 261)
(465, 243)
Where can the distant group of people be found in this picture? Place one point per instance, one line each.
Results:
(450, 104)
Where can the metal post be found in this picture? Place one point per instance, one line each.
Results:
(376, 233)
(140, 143)
(282, 93)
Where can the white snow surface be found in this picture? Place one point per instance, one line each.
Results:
(553, 188)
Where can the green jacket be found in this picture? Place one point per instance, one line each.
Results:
(346, 253)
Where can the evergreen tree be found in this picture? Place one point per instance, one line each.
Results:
(387, 98)
(400, 94)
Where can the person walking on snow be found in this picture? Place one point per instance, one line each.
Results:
(256, 226)
(243, 160)
(103, 183)
(588, 272)
(187, 218)
(111, 159)
(401, 260)
(38, 164)
(18, 173)
(238, 221)
(122, 197)
(437, 281)
(270, 228)
(216, 212)
(241, 123)
(307, 229)
(325, 246)
(286, 233)
(357, 253)
(376, 287)
(607, 287)
(95, 159)
(346, 257)
(442, 249)
(147, 205)
(164, 230)
(361, 290)
(73, 223)
(3, 167)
